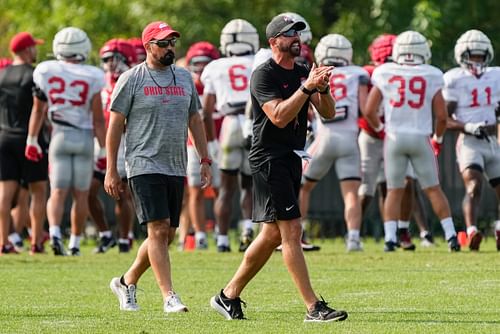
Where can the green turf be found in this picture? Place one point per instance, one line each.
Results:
(428, 291)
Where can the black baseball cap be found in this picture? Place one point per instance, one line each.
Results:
(282, 23)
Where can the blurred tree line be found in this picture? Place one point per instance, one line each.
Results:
(441, 21)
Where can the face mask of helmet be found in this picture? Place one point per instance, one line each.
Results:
(475, 66)
(115, 64)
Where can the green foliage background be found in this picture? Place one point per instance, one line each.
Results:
(442, 21)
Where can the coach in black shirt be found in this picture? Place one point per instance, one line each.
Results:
(281, 91)
(16, 101)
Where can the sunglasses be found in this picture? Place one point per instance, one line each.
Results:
(165, 42)
(288, 33)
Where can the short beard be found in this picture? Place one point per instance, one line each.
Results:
(168, 59)
(294, 52)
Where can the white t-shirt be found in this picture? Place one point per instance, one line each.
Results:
(69, 89)
(229, 80)
(408, 91)
(476, 98)
(344, 85)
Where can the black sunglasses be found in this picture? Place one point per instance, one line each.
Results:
(288, 33)
(165, 42)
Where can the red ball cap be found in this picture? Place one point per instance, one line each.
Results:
(157, 30)
(22, 41)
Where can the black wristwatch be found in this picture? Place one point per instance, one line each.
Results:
(307, 91)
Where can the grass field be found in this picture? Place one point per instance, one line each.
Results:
(428, 291)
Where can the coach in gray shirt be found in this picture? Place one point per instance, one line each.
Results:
(158, 102)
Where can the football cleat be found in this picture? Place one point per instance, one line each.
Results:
(246, 240)
(201, 244)
(427, 240)
(8, 249)
(405, 240)
(390, 246)
(74, 251)
(36, 249)
(354, 246)
(475, 239)
(57, 246)
(223, 249)
(105, 244)
(123, 247)
(453, 244)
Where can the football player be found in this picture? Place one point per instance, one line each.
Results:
(140, 52)
(410, 90)
(71, 90)
(226, 82)
(372, 166)
(117, 56)
(472, 93)
(197, 58)
(336, 139)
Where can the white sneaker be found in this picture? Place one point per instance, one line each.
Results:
(173, 303)
(125, 294)
(354, 246)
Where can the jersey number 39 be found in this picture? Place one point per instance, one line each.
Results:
(416, 86)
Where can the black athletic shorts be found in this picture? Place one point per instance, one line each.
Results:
(276, 186)
(13, 164)
(157, 196)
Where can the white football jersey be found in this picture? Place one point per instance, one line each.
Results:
(476, 98)
(69, 89)
(344, 86)
(229, 80)
(408, 91)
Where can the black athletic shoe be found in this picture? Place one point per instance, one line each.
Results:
(105, 244)
(223, 249)
(453, 244)
(57, 246)
(228, 308)
(322, 313)
(123, 247)
(75, 251)
(390, 246)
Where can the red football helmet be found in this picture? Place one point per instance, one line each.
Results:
(119, 47)
(199, 54)
(4, 62)
(140, 52)
(306, 55)
(381, 49)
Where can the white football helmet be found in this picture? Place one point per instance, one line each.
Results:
(71, 43)
(473, 43)
(333, 49)
(411, 48)
(239, 37)
(306, 34)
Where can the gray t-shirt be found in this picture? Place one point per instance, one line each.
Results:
(157, 105)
